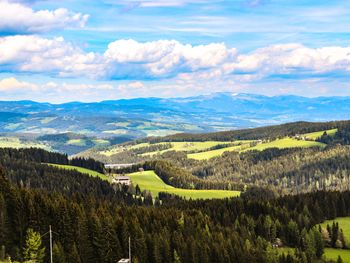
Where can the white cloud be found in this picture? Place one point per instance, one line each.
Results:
(158, 3)
(17, 18)
(35, 54)
(12, 84)
(165, 59)
(291, 59)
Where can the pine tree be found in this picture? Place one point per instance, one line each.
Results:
(33, 249)
(58, 253)
(339, 260)
(176, 257)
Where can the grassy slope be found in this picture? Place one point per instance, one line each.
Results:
(329, 253)
(285, 143)
(332, 253)
(316, 135)
(203, 147)
(190, 146)
(148, 180)
(82, 170)
(12, 142)
(213, 153)
(344, 223)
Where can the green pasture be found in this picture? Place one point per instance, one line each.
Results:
(333, 253)
(82, 170)
(344, 224)
(148, 180)
(12, 142)
(315, 135)
(285, 143)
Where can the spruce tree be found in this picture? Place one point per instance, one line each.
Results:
(33, 250)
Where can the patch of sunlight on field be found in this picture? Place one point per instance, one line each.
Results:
(333, 253)
(81, 170)
(77, 142)
(188, 146)
(315, 135)
(218, 152)
(149, 180)
(101, 142)
(12, 126)
(12, 142)
(344, 223)
(47, 120)
(285, 143)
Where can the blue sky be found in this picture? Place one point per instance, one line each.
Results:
(94, 50)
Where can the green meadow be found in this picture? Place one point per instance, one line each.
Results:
(202, 150)
(214, 153)
(148, 180)
(286, 143)
(12, 142)
(315, 135)
(333, 253)
(81, 170)
(344, 224)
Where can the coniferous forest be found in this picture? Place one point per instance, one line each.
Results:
(93, 220)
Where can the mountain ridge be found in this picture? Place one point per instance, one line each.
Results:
(142, 117)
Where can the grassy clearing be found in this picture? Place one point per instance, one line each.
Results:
(286, 250)
(12, 142)
(315, 135)
(190, 146)
(82, 170)
(77, 142)
(214, 153)
(176, 146)
(286, 143)
(329, 253)
(333, 253)
(344, 223)
(148, 180)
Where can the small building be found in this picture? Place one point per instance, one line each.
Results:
(124, 180)
(118, 165)
(124, 260)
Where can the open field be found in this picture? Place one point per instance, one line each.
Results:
(344, 223)
(214, 153)
(203, 150)
(12, 142)
(148, 180)
(285, 143)
(176, 146)
(286, 250)
(82, 170)
(333, 253)
(315, 135)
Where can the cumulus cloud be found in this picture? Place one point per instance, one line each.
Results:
(292, 59)
(12, 84)
(17, 18)
(165, 59)
(53, 56)
(158, 3)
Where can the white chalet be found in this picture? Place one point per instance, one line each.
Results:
(125, 180)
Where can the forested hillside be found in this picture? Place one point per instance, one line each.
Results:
(304, 157)
(94, 226)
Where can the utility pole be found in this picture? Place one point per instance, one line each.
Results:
(50, 245)
(129, 250)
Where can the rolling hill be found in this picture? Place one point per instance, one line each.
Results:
(138, 118)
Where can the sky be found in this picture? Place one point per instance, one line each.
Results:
(60, 51)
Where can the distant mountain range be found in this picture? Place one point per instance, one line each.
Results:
(142, 117)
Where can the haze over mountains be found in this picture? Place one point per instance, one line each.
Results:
(142, 117)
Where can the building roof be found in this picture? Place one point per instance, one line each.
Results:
(122, 177)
